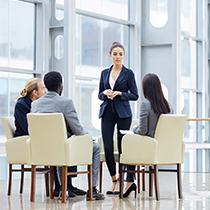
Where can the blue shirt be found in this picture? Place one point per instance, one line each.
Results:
(22, 108)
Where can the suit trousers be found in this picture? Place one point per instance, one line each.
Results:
(95, 165)
(130, 176)
(109, 119)
(69, 181)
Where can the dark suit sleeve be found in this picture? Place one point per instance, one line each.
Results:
(72, 119)
(132, 94)
(101, 88)
(20, 116)
(142, 128)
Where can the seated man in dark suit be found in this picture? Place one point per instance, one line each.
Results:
(54, 102)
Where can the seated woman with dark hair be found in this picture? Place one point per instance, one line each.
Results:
(152, 107)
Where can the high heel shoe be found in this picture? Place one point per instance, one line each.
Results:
(129, 191)
(109, 192)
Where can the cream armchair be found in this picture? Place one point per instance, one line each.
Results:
(15, 150)
(166, 148)
(116, 153)
(16, 153)
(48, 145)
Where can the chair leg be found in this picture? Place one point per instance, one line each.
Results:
(22, 179)
(90, 184)
(100, 178)
(51, 181)
(121, 180)
(150, 181)
(64, 184)
(179, 180)
(10, 180)
(33, 182)
(156, 182)
(138, 178)
(47, 182)
(143, 179)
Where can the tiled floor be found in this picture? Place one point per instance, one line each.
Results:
(196, 191)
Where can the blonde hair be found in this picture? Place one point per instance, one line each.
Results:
(30, 86)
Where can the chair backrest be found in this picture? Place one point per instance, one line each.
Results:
(169, 134)
(48, 134)
(9, 126)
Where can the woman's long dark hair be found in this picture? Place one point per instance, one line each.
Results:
(153, 92)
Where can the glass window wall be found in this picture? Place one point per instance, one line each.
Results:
(94, 38)
(189, 64)
(17, 53)
(16, 38)
(115, 9)
(189, 17)
(12, 84)
(88, 105)
(192, 83)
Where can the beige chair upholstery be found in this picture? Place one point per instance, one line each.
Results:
(116, 153)
(15, 147)
(48, 145)
(16, 151)
(166, 148)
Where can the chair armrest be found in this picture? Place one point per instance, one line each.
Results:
(137, 149)
(183, 152)
(16, 150)
(79, 150)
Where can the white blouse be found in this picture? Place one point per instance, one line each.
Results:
(111, 81)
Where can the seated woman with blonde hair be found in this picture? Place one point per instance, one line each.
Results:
(34, 89)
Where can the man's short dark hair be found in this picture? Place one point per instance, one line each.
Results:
(52, 80)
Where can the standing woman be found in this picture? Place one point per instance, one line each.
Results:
(117, 87)
(152, 107)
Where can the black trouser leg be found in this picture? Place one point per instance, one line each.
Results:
(130, 176)
(107, 135)
(122, 124)
(57, 184)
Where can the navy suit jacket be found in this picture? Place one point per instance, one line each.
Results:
(22, 108)
(126, 84)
